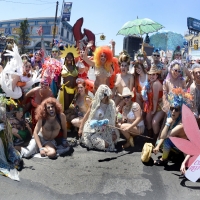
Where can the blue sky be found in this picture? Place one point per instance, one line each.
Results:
(109, 16)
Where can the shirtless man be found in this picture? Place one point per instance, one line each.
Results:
(51, 121)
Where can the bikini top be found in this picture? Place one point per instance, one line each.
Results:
(65, 72)
(100, 71)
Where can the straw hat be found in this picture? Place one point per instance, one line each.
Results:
(154, 70)
(146, 152)
(126, 92)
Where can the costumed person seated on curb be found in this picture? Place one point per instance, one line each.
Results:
(35, 96)
(141, 78)
(69, 75)
(102, 64)
(177, 56)
(79, 106)
(123, 79)
(21, 129)
(174, 80)
(173, 124)
(50, 122)
(152, 96)
(9, 156)
(55, 84)
(94, 128)
(130, 122)
(157, 62)
(195, 92)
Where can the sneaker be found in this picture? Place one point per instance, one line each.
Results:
(18, 142)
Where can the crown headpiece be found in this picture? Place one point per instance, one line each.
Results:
(69, 49)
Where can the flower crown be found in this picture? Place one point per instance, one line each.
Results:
(177, 97)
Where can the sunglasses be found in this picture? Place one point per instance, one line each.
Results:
(123, 65)
(156, 55)
(176, 109)
(54, 51)
(178, 54)
(176, 70)
(127, 97)
(140, 58)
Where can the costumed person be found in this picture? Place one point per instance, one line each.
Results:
(131, 123)
(141, 78)
(9, 42)
(102, 64)
(141, 58)
(29, 77)
(13, 80)
(83, 67)
(21, 129)
(36, 96)
(116, 71)
(69, 75)
(9, 157)
(50, 122)
(37, 60)
(94, 128)
(153, 102)
(79, 106)
(195, 92)
(123, 79)
(174, 79)
(51, 70)
(177, 56)
(157, 62)
(173, 124)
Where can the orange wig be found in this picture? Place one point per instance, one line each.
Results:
(97, 55)
(41, 110)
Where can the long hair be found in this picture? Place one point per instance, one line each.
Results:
(109, 56)
(41, 110)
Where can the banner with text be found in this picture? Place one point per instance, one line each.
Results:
(66, 12)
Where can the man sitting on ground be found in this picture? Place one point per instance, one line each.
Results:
(51, 122)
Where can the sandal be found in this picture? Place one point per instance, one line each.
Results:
(160, 162)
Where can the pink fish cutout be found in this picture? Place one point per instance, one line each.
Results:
(192, 145)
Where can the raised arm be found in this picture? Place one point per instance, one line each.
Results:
(86, 59)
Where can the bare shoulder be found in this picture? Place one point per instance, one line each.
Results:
(62, 116)
(135, 106)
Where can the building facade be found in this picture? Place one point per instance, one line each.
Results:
(63, 31)
(192, 52)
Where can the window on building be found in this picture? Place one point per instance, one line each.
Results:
(46, 30)
(67, 34)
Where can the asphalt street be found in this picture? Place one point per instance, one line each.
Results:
(95, 175)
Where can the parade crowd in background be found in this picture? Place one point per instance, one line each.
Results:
(44, 98)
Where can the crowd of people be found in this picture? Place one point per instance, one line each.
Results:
(44, 97)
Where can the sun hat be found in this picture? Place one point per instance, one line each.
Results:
(126, 92)
(154, 70)
(146, 152)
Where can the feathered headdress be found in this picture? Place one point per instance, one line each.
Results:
(50, 69)
(177, 97)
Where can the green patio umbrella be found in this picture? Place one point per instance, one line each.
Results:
(139, 27)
